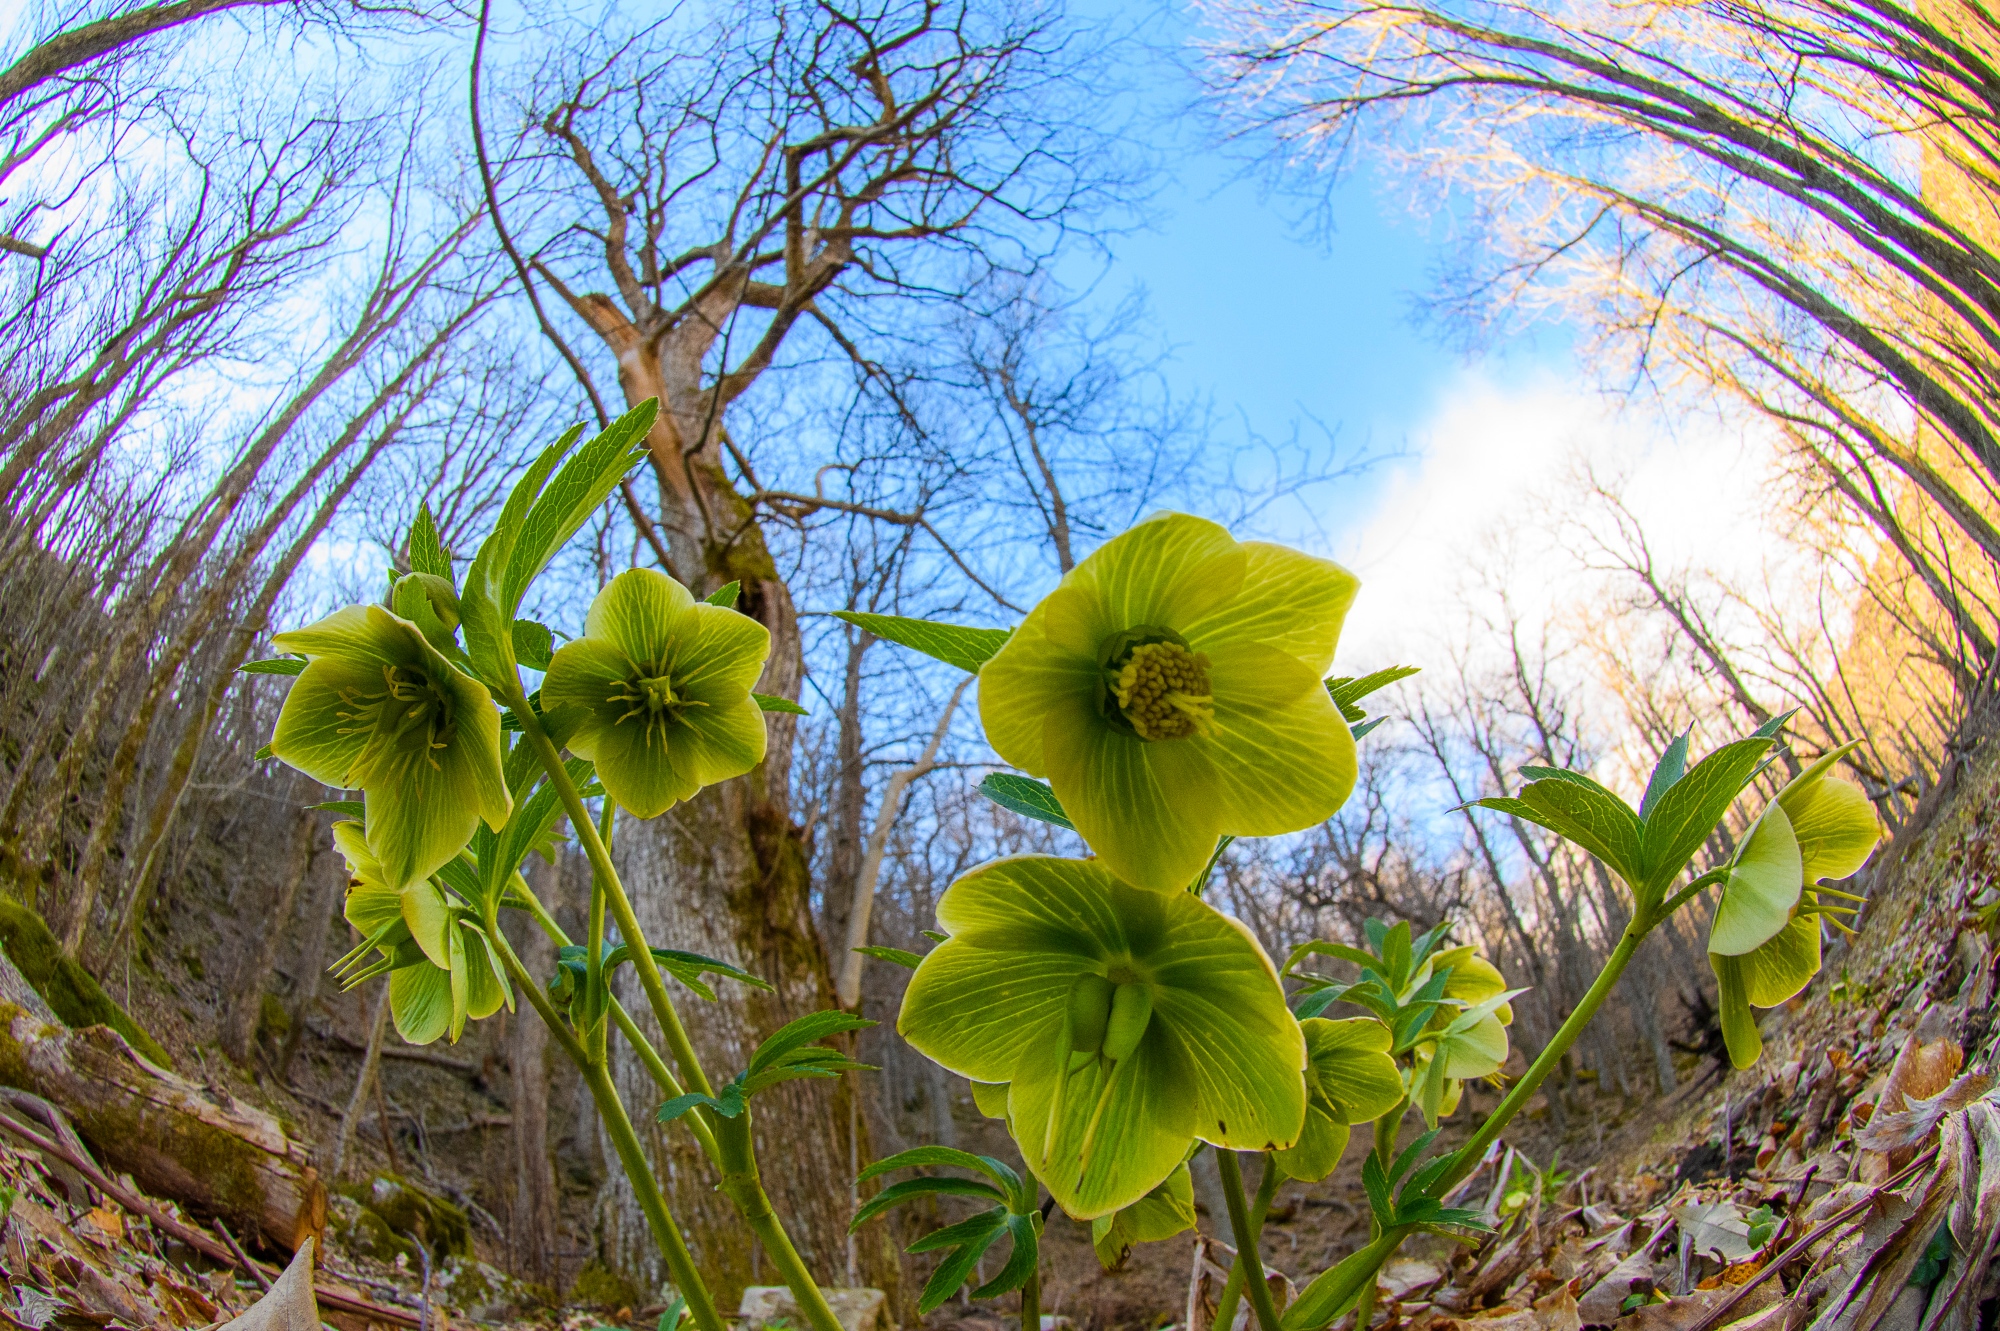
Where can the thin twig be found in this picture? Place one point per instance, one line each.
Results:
(243, 1258)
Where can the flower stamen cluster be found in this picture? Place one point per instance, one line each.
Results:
(651, 697)
(408, 720)
(1163, 691)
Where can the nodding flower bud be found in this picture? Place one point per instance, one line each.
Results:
(1089, 1010)
(1131, 1012)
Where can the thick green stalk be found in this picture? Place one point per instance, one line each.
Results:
(742, 1185)
(701, 1304)
(1469, 1155)
(736, 1156)
(1332, 1289)
(1246, 1240)
(598, 1036)
(603, 871)
(656, 1067)
(1031, 1301)
(1260, 1206)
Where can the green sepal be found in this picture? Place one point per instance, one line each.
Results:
(953, 644)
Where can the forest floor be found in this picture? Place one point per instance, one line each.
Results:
(1658, 1223)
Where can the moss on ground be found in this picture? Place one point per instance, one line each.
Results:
(66, 987)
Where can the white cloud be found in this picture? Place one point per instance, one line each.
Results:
(1492, 495)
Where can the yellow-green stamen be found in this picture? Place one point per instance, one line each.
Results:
(652, 699)
(408, 721)
(1163, 691)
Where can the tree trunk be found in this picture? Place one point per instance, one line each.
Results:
(533, 1223)
(239, 1033)
(726, 874)
(321, 912)
(228, 1160)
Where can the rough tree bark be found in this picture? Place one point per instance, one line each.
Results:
(239, 1032)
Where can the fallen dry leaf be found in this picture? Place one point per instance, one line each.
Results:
(289, 1304)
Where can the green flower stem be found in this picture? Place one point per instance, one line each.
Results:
(701, 1304)
(1686, 894)
(1246, 1240)
(1370, 1259)
(656, 1067)
(735, 1155)
(1387, 1129)
(1232, 1288)
(742, 1185)
(1031, 1301)
(594, 952)
(603, 872)
(1607, 979)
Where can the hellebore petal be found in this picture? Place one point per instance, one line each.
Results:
(1349, 1064)
(420, 1001)
(657, 692)
(1762, 887)
(380, 710)
(1768, 975)
(1350, 1078)
(1105, 1096)
(1170, 692)
(1162, 1213)
(1835, 824)
(370, 903)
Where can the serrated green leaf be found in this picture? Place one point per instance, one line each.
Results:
(488, 630)
(770, 703)
(345, 808)
(812, 1026)
(918, 1157)
(1026, 796)
(1574, 807)
(534, 644)
(1688, 812)
(725, 595)
(1666, 773)
(1021, 1263)
(910, 1189)
(572, 496)
(954, 644)
(275, 665)
(1346, 691)
(427, 552)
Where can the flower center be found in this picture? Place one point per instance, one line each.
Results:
(408, 720)
(1159, 683)
(651, 701)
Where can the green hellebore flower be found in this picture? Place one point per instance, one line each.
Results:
(1162, 1213)
(1127, 1023)
(379, 709)
(1350, 1078)
(657, 692)
(441, 971)
(1764, 945)
(1171, 691)
(1464, 1041)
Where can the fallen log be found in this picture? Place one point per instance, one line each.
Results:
(226, 1160)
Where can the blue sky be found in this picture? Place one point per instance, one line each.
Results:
(1266, 319)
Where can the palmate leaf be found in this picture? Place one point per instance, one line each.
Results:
(1687, 812)
(572, 496)
(953, 644)
(796, 1034)
(969, 1239)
